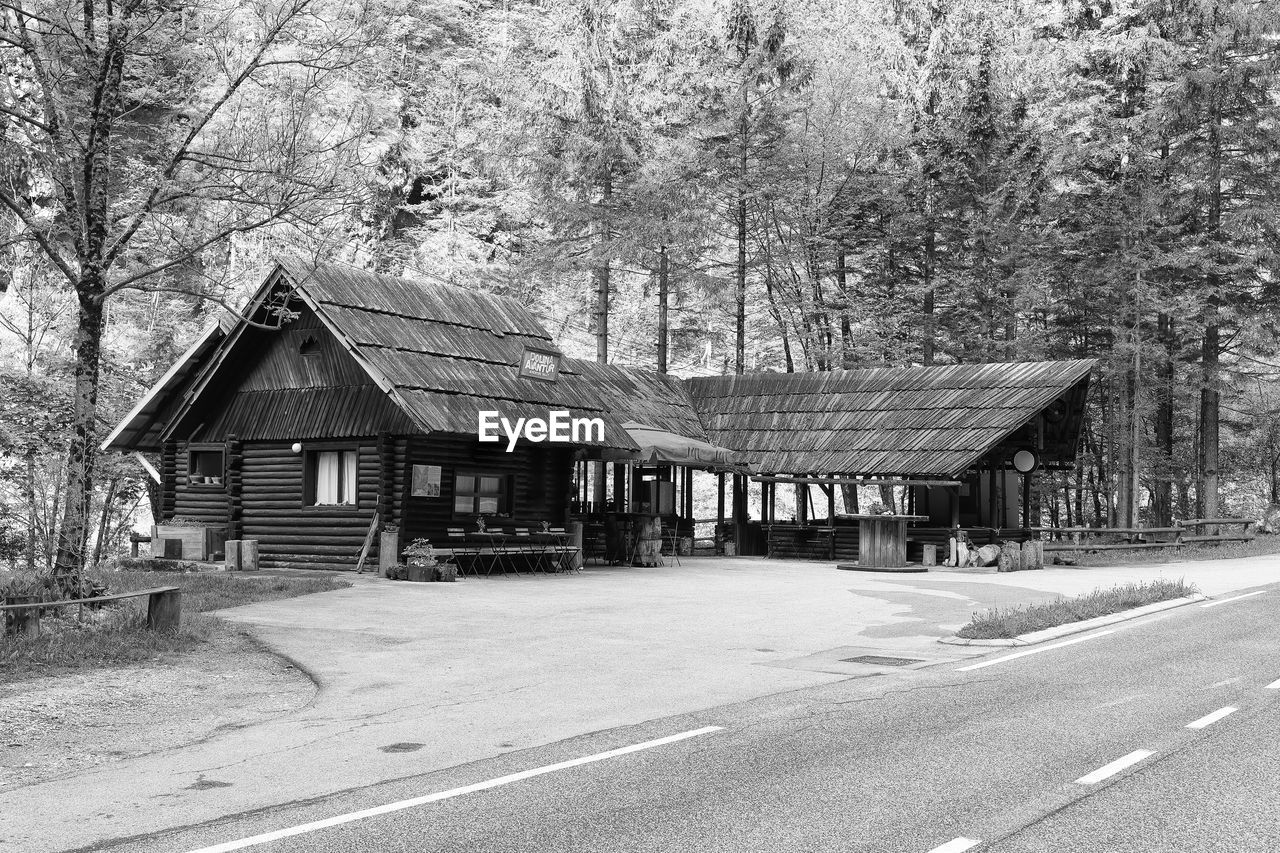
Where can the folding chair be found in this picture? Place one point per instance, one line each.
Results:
(525, 548)
(564, 552)
(671, 536)
(457, 539)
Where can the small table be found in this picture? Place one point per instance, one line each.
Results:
(882, 542)
(494, 543)
(554, 544)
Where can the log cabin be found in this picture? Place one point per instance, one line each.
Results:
(341, 401)
(340, 394)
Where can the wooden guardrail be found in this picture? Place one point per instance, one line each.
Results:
(1190, 531)
(1131, 538)
(164, 609)
(1211, 529)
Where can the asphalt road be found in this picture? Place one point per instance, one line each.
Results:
(915, 760)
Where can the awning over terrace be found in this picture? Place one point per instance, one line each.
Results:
(662, 447)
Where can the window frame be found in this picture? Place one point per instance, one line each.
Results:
(194, 449)
(506, 488)
(310, 472)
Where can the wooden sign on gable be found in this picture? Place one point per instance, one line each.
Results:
(539, 364)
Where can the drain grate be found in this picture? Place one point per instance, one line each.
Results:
(881, 660)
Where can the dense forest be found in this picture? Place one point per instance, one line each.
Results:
(699, 186)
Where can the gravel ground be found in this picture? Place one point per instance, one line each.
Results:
(61, 725)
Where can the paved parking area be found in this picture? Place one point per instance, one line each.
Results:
(416, 677)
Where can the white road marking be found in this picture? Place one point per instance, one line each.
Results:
(1034, 651)
(1210, 719)
(1275, 685)
(1114, 767)
(957, 845)
(255, 840)
(1233, 598)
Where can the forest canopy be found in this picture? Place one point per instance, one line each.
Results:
(699, 186)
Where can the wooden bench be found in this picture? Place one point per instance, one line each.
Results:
(164, 609)
(1201, 527)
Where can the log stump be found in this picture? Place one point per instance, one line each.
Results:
(648, 550)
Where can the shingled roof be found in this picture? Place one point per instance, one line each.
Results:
(447, 351)
(642, 396)
(905, 421)
(440, 352)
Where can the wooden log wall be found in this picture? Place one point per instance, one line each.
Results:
(168, 479)
(198, 502)
(291, 534)
(235, 488)
(542, 475)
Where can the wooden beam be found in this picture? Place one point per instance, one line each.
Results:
(850, 481)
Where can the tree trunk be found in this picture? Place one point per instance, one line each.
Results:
(1162, 496)
(104, 519)
(29, 497)
(600, 272)
(663, 286)
(82, 448)
(1207, 491)
(846, 327)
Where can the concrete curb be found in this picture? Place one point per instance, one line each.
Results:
(1078, 627)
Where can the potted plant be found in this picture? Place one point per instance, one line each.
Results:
(423, 564)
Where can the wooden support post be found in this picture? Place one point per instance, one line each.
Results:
(575, 541)
(831, 504)
(164, 609)
(719, 506)
(620, 487)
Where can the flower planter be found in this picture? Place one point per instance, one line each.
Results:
(417, 573)
(446, 572)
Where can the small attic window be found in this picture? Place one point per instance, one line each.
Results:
(309, 346)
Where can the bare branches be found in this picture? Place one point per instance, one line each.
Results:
(36, 233)
(180, 153)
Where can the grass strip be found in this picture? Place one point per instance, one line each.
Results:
(1010, 622)
(118, 634)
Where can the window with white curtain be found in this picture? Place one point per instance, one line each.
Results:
(334, 477)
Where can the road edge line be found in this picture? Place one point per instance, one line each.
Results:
(387, 808)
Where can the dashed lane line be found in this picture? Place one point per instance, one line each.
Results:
(1114, 767)
(957, 845)
(1233, 598)
(1210, 719)
(1275, 685)
(1034, 651)
(338, 820)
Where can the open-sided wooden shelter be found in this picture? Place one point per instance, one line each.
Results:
(951, 435)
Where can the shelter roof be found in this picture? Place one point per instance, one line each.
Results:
(936, 420)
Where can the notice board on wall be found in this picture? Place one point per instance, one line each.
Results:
(426, 481)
